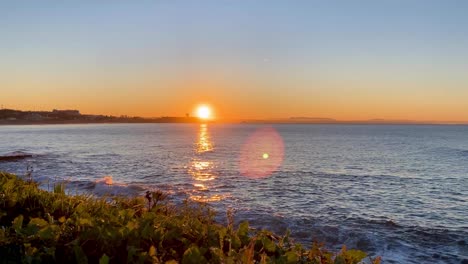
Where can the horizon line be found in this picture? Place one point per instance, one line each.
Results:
(285, 120)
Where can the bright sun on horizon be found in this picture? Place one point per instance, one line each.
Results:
(204, 112)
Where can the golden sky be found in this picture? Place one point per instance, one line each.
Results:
(344, 61)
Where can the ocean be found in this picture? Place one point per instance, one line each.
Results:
(396, 191)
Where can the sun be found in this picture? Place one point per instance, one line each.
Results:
(204, 112)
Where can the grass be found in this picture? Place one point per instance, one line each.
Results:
(39, 226)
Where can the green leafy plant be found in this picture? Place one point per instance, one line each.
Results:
(52, 227)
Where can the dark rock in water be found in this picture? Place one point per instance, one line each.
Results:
(464, 261)
(461, 242)
(15, 156)
(391, 223)
(365, 244)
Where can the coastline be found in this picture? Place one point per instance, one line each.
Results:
(27, 123)
(85, 122)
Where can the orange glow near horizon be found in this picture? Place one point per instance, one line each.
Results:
(335, 107)
(345, 101)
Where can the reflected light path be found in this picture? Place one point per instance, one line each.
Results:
(204, 142)
(201, 168)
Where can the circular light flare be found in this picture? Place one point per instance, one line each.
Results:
(204, 112)
(262, 154)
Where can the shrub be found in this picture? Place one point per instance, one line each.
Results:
(40, 226)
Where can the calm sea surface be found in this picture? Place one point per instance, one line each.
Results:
(400, 192)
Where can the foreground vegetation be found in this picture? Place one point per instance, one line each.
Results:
(41, 226)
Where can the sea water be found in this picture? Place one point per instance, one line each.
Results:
(396, 191)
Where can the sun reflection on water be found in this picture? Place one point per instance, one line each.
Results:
(200, 186)
(202, 169)
(203, 198)
(204, 143)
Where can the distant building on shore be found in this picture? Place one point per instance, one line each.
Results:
(56, 116)
(66, 112)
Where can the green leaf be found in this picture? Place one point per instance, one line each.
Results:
(131, 252)
(264, 259)
(221, 235)
(39, 222)
(243, 229)
(131, 225)
(269, 245)
(80, 256)
(243, 232)
(79, 209)
(354, 256)
(84, 222)
(193, 256)
(104, 259)
(48, 232)
(18, 223)
(146, 231)
(50, 218)
(29, 250)
(218, 255)
(236, 242)
(59, 188)
(340, 260)
(152, 251)
(34, 225)
(291, 257)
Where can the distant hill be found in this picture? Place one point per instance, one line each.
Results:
(324, 120)
(313, 119)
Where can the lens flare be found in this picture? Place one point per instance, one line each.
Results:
(262, 154)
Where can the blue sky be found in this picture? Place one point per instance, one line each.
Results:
(313, 49)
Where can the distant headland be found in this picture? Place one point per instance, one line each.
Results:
(18, 117)
(322, 120)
